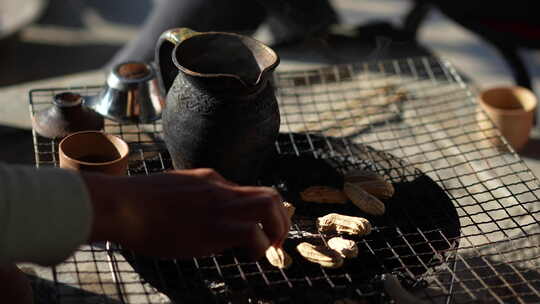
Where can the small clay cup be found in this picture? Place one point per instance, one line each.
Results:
(94, 151)
(512, 110)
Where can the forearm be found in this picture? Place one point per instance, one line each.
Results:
(107, 195)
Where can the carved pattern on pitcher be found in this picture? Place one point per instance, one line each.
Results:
(193, 100)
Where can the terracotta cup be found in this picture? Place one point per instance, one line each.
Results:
(94, 151)
(512, 110)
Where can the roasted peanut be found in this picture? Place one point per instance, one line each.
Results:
(363, 200)
(346, 248)
(371, 182)
(321, 255)
(339, 223)
(278, 257)
(290, 208)
(323, 194)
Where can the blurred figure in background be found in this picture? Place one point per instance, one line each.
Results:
(201, 15)
(288, 21)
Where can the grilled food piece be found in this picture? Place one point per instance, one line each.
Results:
(339, 223)
(324, 194)
(321, 255)
(290, 208)
(346, 248)
(278, 257)
(363, 200)
(371, 182)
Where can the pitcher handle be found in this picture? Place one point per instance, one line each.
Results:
(167, 42)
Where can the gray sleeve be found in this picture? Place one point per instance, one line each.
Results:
(45, 214)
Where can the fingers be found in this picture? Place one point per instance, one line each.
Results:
(212, 175)
(206, 174)
(287, 222)
(246, 235)
(266, 209)
(242, 204)
(246, 191)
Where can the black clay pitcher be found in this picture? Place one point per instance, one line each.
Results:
(221, 111)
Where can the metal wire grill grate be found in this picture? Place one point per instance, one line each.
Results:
(462, 228)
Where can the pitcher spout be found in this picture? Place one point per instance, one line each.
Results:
(225, 61)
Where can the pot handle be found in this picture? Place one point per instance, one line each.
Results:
(167, 42)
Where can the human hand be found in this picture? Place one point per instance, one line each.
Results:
(185, 213)
(16, 287)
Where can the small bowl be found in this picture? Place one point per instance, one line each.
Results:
(512, 111)
(94, 151)
(131, 94)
